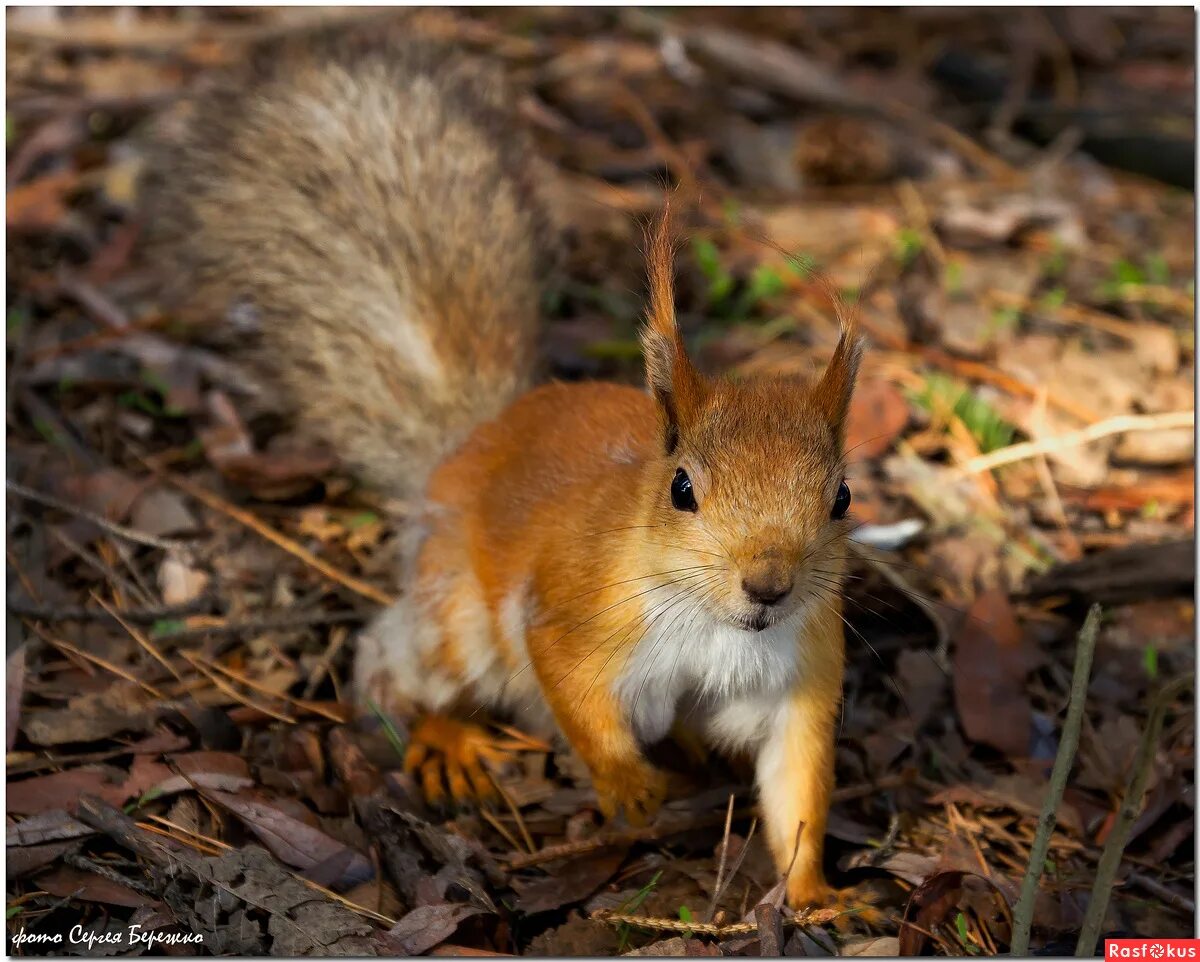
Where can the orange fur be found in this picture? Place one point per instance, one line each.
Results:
(554, 569)
(797, 795)
(448, 753)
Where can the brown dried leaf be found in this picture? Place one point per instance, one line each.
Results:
(678, 947)
(1017, 792)
(1107, 754)
(887, 946)
(14, 690)
(108, 492)
(971, 227)
(361, 778)
(213, 770)
(922, 682)
(163, 511)
(49, 826)
(299, 921)
(32, 796)
(289, 467)
(61, 790)
(991, 662)
(179, 582)
(934, 900)
(427, 925)
(571, 883)
(123, 707)
(578, 936)
(291, 840)
(39, 204)
(878, 414)
(68, 882)
(19, 862)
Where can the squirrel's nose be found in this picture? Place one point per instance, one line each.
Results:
(767, 588)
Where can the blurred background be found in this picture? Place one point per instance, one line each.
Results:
(1005, 196)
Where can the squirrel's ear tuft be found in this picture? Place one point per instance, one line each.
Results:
(677, 386)
(834, 390)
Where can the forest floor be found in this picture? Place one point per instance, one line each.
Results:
(995, 192)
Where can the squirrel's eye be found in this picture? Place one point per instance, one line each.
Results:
(841, 504)
(681, 492)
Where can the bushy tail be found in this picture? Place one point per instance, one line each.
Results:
(368, 207)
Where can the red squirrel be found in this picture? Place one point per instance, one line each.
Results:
(598, 560)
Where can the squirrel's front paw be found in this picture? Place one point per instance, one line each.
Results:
(458, 755)
(816, 893)
(637, 790)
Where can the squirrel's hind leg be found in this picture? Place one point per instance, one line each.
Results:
(394, 669)
(429, 661)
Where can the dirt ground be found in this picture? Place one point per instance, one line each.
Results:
(1005, 197)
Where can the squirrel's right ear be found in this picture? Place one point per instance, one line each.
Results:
(836, 386)
(677, 386)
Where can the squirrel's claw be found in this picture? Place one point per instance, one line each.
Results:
(852, 905)
(454, 759)
(638, 792)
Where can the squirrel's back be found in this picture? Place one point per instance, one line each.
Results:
(368, 207)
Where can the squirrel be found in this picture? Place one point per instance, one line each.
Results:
(598, 560)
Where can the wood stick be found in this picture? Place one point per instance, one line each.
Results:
(1093, 432)
(1114, 848)
(217, 503)
(112, 527)
(1085, 648)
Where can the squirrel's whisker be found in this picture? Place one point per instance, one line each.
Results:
(679, 594)
(626, 581)
(654, 652)
(628, 527)
(878, 657)
(704, 594)
(596, 615)
(660, 611)
(687, 549)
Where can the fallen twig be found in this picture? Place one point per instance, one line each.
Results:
(1177, 900)
(649, 833)
(1157, 294)
(1070, 313)
(712, 908)
(95, 660)
(652, 833)
(129, 534)
(1120, 424)
(1085, 647)
(1114, 848)
(137, 616)
(799, 920)
(266, 623)
(984, 373)
(198, 663)
(315, 707)
(137, 636)
(217, 503)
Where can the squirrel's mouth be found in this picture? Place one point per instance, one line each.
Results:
(758, 621)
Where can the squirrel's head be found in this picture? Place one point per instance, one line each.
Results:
(751, 476)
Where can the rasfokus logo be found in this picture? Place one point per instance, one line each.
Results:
(1151, 948)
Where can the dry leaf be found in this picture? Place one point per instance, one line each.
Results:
(991, 662)
(291, 840)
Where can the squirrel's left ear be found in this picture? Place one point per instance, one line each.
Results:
(677, 386)
(833, 391)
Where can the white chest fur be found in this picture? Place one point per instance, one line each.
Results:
(731, 679)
